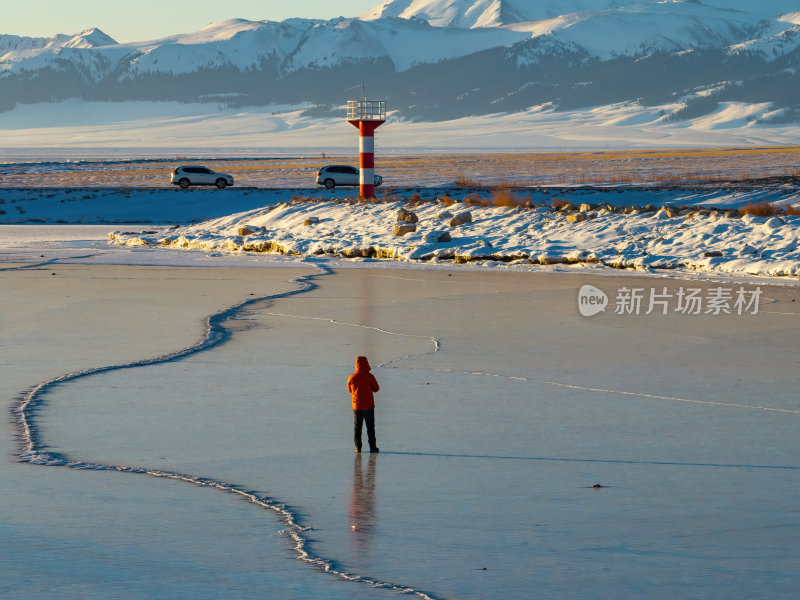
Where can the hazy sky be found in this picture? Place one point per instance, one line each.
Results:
(137, 20)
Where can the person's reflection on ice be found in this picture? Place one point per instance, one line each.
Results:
(362, 502)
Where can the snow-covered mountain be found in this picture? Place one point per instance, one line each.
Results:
(459, 13)
(438, 59)
(91, 38)
(494, 13)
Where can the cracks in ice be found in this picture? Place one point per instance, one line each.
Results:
(619, 392)
(433, 340)
(613, 461)
(32, 448)
(437, 346)
(659, 397)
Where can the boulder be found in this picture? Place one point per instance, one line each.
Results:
(444, 215)
(311, 221)
(576, 217)
(461, 218)
(404, 228)
(436, 237)
(712, 254)
(243, 231)
(406, 216)
(585, 207)
(356, 252)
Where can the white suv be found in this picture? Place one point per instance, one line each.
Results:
(186, 176)
(334, 175)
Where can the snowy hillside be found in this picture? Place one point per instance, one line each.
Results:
(287, 46)
(90, 38)
(656, 27)
(443, 59)
(776, 37)
(459, 13)
(494, 13)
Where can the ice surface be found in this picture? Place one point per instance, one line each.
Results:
(75, 534)
(500, 408)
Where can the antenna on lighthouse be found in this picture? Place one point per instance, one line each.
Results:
(367, 115)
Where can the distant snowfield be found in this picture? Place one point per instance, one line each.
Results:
(151, 128)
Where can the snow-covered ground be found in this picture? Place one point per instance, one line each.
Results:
(657, 239)
(164, 128)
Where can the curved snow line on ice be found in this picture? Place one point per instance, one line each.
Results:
(48, 262)
(435, 341)
(31, 448)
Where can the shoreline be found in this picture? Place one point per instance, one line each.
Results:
(45, 258)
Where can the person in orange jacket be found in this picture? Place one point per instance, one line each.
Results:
(362, 385)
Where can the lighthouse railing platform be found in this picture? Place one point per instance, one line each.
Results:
(366, 110)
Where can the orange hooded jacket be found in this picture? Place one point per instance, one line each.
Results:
(362, 384)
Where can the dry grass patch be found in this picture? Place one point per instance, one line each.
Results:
(464, 181)
(414, 200)
(759, 209)
(474, 200)
(504, 197)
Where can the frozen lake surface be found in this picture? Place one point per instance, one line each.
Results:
(501, 407)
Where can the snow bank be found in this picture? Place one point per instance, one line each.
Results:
(691, 239)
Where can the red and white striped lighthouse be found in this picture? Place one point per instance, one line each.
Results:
(367, 115)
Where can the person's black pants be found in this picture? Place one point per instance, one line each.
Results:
(359, 417)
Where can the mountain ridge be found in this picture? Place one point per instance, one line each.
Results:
(482, 60)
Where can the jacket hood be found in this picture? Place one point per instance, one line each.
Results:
(362, 365)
